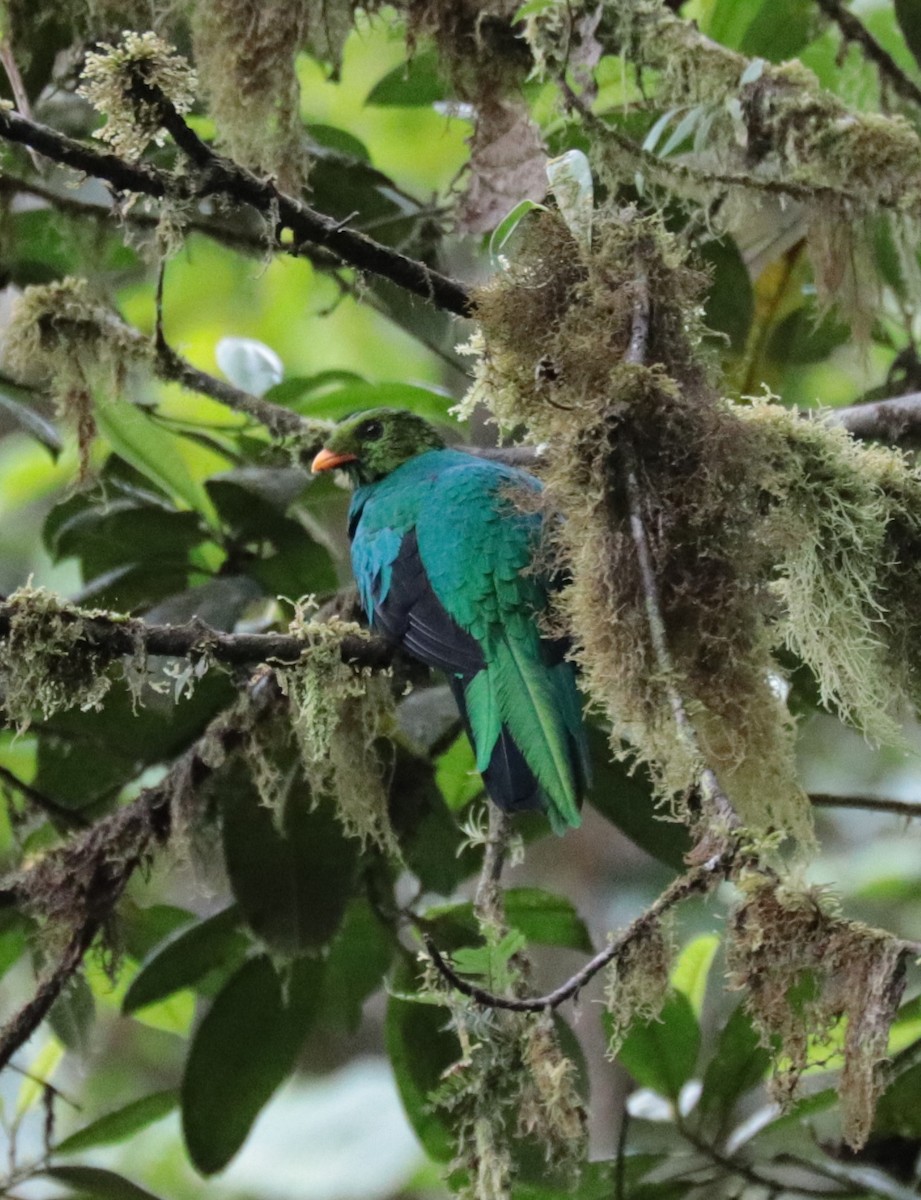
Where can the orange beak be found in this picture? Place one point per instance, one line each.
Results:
(327, 459)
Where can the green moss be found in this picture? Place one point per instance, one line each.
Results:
(637, 982)
(49, 664)
(246, 57)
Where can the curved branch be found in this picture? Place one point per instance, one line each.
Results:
(221, 176)
(700, 881)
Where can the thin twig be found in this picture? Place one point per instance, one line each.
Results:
(898, 808)
(699, 881)
(855, 31)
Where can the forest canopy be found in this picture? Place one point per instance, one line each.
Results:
(261, 933)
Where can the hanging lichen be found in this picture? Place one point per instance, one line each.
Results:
(514, 1088)
(49, 663)
(113, 82)
(637, 983)
(803, 970)
(339, 716)
(61, 331)
(556, 326)
(246, 54)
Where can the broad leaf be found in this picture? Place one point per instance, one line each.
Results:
(243, 1050)
(152, 450)
(187, 958)
(662, 1054)
(292, 883)
(97, 1183)
(420, 1050)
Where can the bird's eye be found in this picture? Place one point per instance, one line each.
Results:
(370, 431)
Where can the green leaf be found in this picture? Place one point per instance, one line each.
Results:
(72, 1015)
(899, 1108)
(149, 448)
(187, 958)
(780, 29)
(121, 1124)
(803, 336)
(739, 1063)
(249, 364)
(570, 178)
(693, 967)
(97, 1183)
(510, 223)
(15, 403)
(292, 883)
(625, 798)
(245, 1047)
(730, 303)
(662, 1054)
(359, 957)
(420, 1050)
(411, 84)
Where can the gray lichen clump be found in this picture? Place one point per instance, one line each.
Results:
(110, 82)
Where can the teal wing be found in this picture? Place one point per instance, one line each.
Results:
(477, 547)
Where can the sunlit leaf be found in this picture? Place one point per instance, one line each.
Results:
(570, 178)
(153, 451)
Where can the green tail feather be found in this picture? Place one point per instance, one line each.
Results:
(534, 701)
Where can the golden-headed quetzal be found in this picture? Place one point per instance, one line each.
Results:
(444, 560)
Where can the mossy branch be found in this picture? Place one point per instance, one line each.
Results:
(795, 135)
(111, 637)
(79, 885)
(723, 818)
(220, 176)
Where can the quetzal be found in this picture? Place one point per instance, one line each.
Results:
(444, 559)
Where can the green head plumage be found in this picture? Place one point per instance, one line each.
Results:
(372, 444)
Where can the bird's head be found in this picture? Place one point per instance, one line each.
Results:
(372, 444)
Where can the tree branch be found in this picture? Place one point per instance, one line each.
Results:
(898, 808)
(699, 881)
(117, 637)
(855, 31)
(221, 176)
